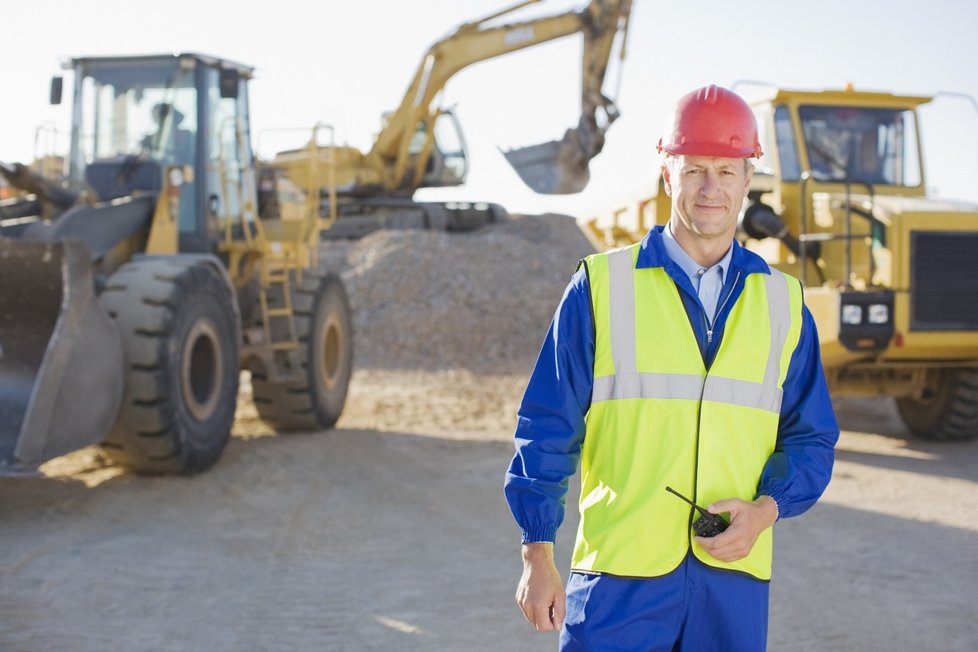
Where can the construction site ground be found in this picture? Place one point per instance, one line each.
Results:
(391, 532)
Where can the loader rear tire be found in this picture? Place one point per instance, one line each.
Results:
(179, 324)
(948, 410)
(325, 333)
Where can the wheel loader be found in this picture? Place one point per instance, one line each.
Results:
(421, 145)
(135, 289)
(890, 274)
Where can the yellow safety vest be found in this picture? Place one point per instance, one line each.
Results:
(659, 418)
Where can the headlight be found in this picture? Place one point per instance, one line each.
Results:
(879, 313)
(852, 315)
(866, 319)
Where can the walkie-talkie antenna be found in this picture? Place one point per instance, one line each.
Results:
(701, 510)
(708, 524)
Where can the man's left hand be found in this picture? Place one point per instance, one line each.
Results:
(747, 521)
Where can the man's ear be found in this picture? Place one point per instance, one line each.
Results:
(666, 180)
(750, 175)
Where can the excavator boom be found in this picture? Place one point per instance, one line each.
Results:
(562, 166)
(555, 167)
(406, 156)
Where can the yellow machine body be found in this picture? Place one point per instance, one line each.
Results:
(137, 284)
(406, 156)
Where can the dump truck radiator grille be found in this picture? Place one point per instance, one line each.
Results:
(943, 281)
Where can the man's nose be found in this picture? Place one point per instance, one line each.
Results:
(711, 183)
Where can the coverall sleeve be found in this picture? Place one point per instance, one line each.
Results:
(800, 467)
(550, 420)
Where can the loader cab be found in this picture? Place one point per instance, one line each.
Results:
(133, 117)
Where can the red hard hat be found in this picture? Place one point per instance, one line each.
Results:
(713, 121)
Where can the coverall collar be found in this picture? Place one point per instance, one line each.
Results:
(652, 253)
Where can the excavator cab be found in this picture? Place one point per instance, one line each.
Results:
(447, 163)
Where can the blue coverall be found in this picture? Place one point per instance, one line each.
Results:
(695, 607)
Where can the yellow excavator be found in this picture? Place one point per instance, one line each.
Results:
(375, 188)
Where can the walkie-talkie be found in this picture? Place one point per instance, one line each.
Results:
(707, 525)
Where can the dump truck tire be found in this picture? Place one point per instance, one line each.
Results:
(948, 411)
(325, 334)
(179, 324)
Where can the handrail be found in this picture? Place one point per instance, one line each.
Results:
(847, 235)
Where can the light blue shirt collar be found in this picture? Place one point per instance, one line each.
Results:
(707, 282)
(687, 264)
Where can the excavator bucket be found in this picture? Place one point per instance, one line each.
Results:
(559, 167)
(60, 355)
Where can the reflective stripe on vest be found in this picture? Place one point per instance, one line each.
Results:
(658, 418)
(627, 383)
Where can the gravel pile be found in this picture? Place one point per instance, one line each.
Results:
(481, 301)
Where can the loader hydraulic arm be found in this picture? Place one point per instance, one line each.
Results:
(23, 177)
(599, 22)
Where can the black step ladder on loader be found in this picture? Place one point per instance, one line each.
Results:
(278, 313)
(280, 249)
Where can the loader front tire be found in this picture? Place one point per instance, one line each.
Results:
(948, 408)
(324, 330)
(179, 324)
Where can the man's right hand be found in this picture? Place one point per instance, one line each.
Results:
(540, 593)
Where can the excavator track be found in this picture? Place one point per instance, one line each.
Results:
(360, 218)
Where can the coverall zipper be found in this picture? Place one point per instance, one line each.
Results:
(708, 326)
(709, 340)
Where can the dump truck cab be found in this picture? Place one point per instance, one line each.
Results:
(890, 275)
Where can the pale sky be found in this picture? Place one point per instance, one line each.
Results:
(345, 63)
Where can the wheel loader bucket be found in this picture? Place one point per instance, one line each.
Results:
(60, 355)
(559, 167)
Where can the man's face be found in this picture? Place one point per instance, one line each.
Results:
(707, 194)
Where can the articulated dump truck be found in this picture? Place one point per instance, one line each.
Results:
(890, 275)
(134, 290)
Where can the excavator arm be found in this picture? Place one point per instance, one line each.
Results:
(556, 167)
(405, 156)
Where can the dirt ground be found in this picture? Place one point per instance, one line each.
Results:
(391, 531)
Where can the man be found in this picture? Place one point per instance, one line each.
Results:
(168, 141)
(684, 362)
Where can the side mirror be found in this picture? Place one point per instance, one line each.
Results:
(56, 86)
(229, 82)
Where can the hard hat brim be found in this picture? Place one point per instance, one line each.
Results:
(710, 149)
